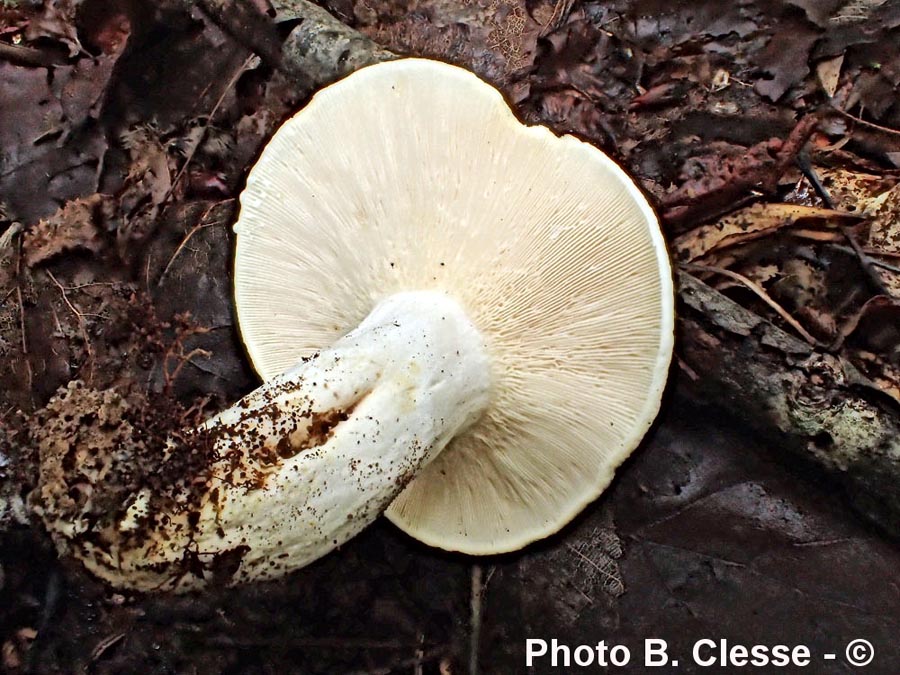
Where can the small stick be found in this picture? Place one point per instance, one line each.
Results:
(877, 263)
(865, 261)
(475, 601)
(28, 56)
(81, 323)
(190, 156)
(865, 123)
(199, 226)
(880, 253)
(247, 25)
(419, 655)
(782, 312)
(29, 373)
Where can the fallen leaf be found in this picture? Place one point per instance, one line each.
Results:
(661, 94)
(885, 376)
(853, 190)
(751, 222)
(785, 58)
(829, 74)
(147, 185)
(884, 232)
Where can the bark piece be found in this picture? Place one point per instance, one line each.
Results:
(321, 49)
(812, 403)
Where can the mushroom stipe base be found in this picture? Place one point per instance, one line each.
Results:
(300, 465)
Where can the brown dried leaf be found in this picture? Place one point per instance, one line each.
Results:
(73, 227)
(149, 170)
(801, 283)
(751, 222)
(785, 58)
(852, 190)
(884, 232)
(147, 185)
(820, 322)
(762, 274)
(829, 74)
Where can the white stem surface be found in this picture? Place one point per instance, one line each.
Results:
(309, 459)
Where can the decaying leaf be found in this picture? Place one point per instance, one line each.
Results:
(752, 222)
(73, 227)
(785, 58)
(149, 170)
(852, 190)
(884, 375)
(884, 233)
(148, 183)
(829, 74)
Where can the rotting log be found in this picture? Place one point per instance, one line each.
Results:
(318, 50)
(807, 401)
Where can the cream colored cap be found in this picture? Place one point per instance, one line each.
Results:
(416, 175)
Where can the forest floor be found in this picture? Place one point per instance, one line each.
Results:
(767, 134)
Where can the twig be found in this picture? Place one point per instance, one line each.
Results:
(181, 246)
(183, 359)
(691, 373)
(104, 646)
(762, 177)
(29, 373)
(806, 168)
(199, 226)
(247, 26)
(62, 289)
(880, 253)
(176, 351)
(196, 146)
(475, 601)
(782, 312)
(24, 339)
(78, 287)
(420, 655)
(866, 123)
(877, 263)
(816, 235)
(82, 325)
(561, 11)
(865, 261)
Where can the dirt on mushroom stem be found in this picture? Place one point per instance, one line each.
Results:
(98, 450)
(101, 451)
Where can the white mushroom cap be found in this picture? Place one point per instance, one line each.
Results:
(415, 175)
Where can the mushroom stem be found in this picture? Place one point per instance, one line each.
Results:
(309, 459)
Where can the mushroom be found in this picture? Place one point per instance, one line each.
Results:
(462, 321)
